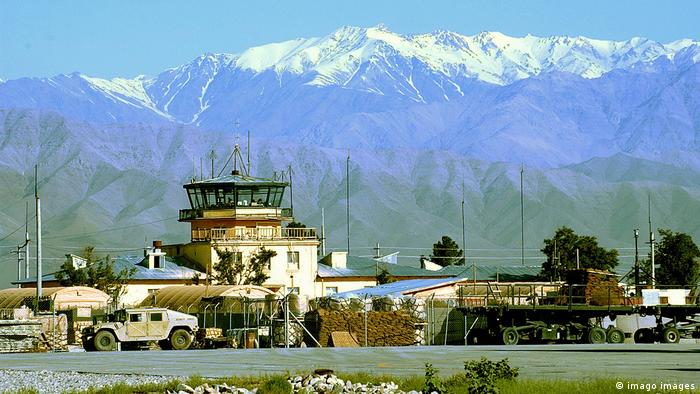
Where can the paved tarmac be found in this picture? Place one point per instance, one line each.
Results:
(665, 362)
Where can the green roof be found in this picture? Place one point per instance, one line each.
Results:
(513, 273)
(366, 267)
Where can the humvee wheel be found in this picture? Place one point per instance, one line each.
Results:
(670, 335)
(596, 335)
(104, 341)
(615, 335)
(510, 336)
(180, 339)
(89, 344)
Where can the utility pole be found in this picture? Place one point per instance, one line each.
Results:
(26, 239)
(19, 253)
(347, 196)
(464, 231)
(248, 154)
(39, 290)
(578, 261)
(637, 287)
(554, 260)
(323, 232)
(376, 250)
(522, 218)
(651, 245)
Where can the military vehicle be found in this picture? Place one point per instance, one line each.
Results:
(139, 326)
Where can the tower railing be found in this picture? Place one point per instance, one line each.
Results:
(258, 233)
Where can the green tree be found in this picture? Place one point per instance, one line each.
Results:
(232, 270)
(566, 241)
(98, 273)
(677, 258)
(295, 224)
(384, 277)
(447, 252)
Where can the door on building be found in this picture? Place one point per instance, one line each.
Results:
(136, 325)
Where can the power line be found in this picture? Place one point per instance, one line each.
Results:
(14, 231)
(109, 229)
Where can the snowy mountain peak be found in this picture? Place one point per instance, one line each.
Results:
(492, 57)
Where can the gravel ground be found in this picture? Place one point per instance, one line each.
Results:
(58, 382)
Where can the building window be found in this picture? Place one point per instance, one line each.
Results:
(293, 260)
(294, 290)
(330, 290)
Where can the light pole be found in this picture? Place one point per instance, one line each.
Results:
(636, 262)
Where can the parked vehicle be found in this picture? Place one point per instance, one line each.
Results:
(138, 326)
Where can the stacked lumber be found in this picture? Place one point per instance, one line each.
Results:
(212, 332)
(594, 287)
(19, 336)
(393, 328)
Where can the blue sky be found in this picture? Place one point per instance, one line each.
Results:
(127, 38)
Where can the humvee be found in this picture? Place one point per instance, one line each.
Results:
(172, 330)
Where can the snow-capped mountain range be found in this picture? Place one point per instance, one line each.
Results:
(598, 125)
(419, 91)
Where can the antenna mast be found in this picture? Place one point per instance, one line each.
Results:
(212, 156)
(248, 152)
(291, 190)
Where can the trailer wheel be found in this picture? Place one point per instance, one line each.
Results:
(180, 339)
(670, 335)
(644, 335)
(510, 336)
(164, 344)
(104, 341)
(615, 335)
(596, 335)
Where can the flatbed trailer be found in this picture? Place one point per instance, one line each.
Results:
(568, 319)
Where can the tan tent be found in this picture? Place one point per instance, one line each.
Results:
(64, 297)
(188, 298)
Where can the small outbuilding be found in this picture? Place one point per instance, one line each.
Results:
(64, 298)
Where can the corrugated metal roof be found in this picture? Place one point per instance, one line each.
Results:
(505, 273)
(399, 288)
(63, 296)
(189, 297)
(238, 180)
(173, 269)
(366, 267)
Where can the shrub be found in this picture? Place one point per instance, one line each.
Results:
(482, 375)
(432, 381)
(275, 385)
